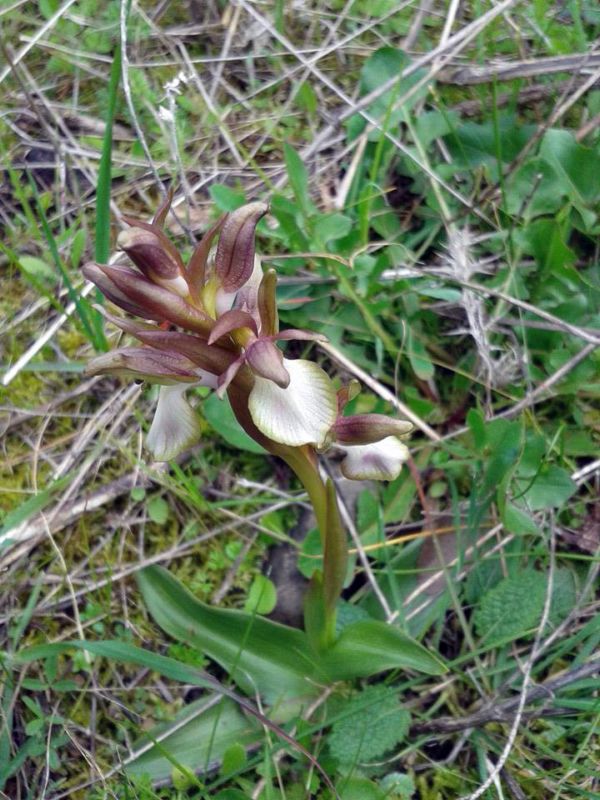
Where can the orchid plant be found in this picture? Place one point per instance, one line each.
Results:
(216, 325)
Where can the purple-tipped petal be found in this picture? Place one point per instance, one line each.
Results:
(234, 260)
(175, 426)
(363, 429)
(164, 239)
(266, 360)
(231, 321)
(144, 363)
(381, 461)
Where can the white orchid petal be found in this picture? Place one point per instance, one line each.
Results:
(381, 461)
(175, 426)
(302, 413)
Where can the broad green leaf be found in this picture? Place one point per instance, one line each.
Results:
(431, 125)
(234, 759)
(298, 177)
(503, 458)
(357, 788)
(382, 65)
(122, 652)
(219, 415)
(348, 614)
(225, 198)
(367, 647)
(513, 607)
(473, 144)
(370, 724)
(551, 488)
(38, 268)
(418, 357)
(202, 742)
(574, 162)
(306, 98)
(516, 520)
(564, 595)
(260, 655)
(329, 227)
(398, 786)
(262, 596)
(158, 510)
(538, 183)
(545, 240)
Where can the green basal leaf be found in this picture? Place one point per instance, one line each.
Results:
(298, 177)
(203, 742)
(357, 788)
(260, 655)
(551, 488)
(517, 520)
(576, 164)
(367, 647)
(122, 652)
(225, 198)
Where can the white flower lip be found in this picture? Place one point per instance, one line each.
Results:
(175, 426)
(303, 413)
(381, 461)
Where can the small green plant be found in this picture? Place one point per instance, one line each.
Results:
(218, 327)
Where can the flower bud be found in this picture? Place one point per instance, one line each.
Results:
(145, 363)
(368, 428)
(95, 274)
(134, 293)
(380, 461)
(234, 260)
(158, 263)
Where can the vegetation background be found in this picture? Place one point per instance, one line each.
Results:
(432, 169)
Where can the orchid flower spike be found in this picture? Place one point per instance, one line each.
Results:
(218, 326)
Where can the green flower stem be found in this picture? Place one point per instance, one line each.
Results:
(333, 539)
(302, 461)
